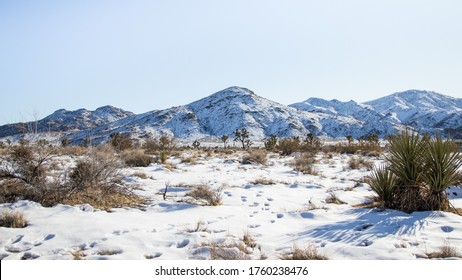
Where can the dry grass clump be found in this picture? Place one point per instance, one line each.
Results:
(140, 175)
(255, 157)
(305, 164)
(13, 219)
(333, 199)
(263, 181)
(308, 253)
(136, 158)
(360, 162)
(205, 195)
(244, 249)
(445, 251)
(226, 251)
(200, 226)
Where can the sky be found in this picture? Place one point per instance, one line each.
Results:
(145, 55)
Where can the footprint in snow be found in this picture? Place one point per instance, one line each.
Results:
(254, 226)
(363, 227)
(153, 256)
(280, 216)
(447, 228)
(183, 243)
(366, 243)
(270, 199)
(40, 241)
(29, 256)
(2, 256)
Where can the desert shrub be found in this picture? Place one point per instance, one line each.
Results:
(271, 142)
(263, 181)
(96, 180)
(333, 199)
(25, 168)
(287, 146)
(305, 164)
(445, 251)
(13, 219)
(210, 197)
(312, 143)
(360, 162)
(308, 253)
(120, 142)
(440, 170)
(136, 158)
(255, 156)
(383, 182)
(163, 156)
(161, 143)
(424, 168)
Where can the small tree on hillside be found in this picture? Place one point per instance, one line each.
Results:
(196, 144)
(243, 137)
(224, 139)
(271, 142)
(350, 139)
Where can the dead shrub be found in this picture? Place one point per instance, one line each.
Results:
(360, 162)
(96, 180)
(287, 146)
(206, 195)
(445, 251)
(305, 164)
(161, 143)
(333, 199)
(26, 168)
(308, 253)
(255, 156)
(263, 181)
(13, 219)
(136, 158)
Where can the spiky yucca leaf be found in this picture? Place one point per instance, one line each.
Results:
(442, 163)
(405, 157)
(383, 182)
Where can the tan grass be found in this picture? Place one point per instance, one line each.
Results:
(308, 253)
(13, 219)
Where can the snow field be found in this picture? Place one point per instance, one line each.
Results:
(286, 209)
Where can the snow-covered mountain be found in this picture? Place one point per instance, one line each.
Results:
(423, 110)
(67, 121)
(369, 119)
(235, 108)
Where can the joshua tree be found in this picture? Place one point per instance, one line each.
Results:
(196, 144)
(271, 142)
(243, 137)
(350, 139)
(224, 139)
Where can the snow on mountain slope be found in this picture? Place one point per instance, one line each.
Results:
(65, 121)
(369, 119)
(424, 110)
(225, 111)
(235, 108)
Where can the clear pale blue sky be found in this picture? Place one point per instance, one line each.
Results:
(145, 55)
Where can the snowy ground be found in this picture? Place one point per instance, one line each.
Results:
(292, 211)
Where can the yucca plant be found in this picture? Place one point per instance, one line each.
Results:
(442, 163)
(406, 157)
(383, 183)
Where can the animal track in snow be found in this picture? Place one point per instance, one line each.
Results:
(183, 243)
